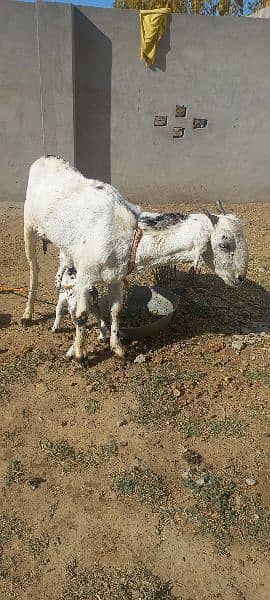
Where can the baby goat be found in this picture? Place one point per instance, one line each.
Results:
(66, 285)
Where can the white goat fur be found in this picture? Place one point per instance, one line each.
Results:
(66, 284)
(93, 225)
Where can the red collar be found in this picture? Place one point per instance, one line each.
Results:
(133, 250)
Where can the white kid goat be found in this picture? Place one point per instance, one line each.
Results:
(65, 284)
(67, 295)
(96, 230)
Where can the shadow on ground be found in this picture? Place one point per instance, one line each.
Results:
(5, 320)
(208, 306)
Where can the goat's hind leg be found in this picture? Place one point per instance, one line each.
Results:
(59, 312)
(104, 333)
(71, 352)
(116, 297)
(30, 241)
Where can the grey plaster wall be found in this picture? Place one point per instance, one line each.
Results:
(36, 89)
(20, 115)
(92, 98)
(55, 55)
(72, 83)
(219, 68)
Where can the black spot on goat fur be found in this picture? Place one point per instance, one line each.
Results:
(163, 220)
(45, 245)
(81, 322)
(54, 156)
(94, 293)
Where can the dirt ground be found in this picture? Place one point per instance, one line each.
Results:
(145, 480)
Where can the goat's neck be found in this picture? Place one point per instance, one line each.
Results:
(177, 243)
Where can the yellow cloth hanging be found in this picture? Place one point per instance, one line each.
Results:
(153, 26)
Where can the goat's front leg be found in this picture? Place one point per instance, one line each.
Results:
(195, 269)
(78, 350)
(58, 311)
(30, 241)
(116, 297)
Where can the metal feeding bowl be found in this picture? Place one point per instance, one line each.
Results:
(142, 304)
(146, 310)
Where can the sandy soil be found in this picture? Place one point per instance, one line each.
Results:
(145, 480)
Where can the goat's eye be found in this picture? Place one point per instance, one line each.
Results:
(225, 246)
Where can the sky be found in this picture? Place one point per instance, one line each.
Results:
(100, 3)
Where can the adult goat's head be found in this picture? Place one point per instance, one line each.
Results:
(227, 251)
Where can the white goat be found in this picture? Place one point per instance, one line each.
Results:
(66, 285)
(67, 295)
(93, 225)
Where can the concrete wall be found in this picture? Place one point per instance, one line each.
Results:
(20, 115)
(86, 95)
(92, 99)
(36, 89)
(55, 33)
(219, 68)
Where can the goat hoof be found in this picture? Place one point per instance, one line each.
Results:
(26, 321)
(82, 319)
(121, 360)
(83, 361)
(120, 356)
(119, 351)
(55, 329)
(103, 337)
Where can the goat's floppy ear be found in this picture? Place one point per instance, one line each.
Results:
(213, 218)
